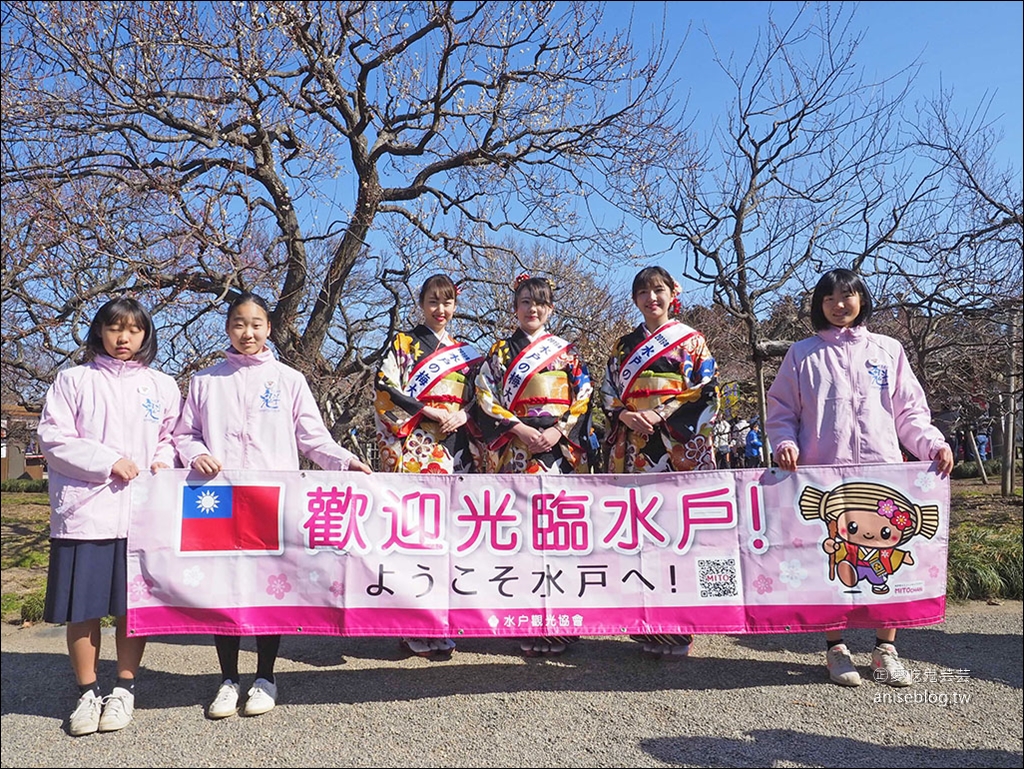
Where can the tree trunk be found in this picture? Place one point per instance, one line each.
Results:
(1010, 410)
(762, 410)
(977, 457)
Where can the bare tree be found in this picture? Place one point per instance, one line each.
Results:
(590, 310)
(319, 152)
(976, 288)
(808, 171)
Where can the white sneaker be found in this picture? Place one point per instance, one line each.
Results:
(118, 707)
(262, 697)
(226, 702)
(840, 666)
(886, 667)
(86, 717)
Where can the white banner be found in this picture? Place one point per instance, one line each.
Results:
(730, 551)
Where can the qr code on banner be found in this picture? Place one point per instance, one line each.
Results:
(716, 577)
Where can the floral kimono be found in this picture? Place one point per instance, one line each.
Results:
(672, 372)
(543, 384)
(421, 370)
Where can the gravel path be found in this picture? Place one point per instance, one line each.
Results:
(737, 701)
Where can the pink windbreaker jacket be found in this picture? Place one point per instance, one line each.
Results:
(95, 414)
(847, 396)
(253, 412)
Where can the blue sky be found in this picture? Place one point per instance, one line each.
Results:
(974, 48)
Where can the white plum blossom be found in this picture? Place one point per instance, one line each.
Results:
(193, 577)
(925, 481)
(792, 573)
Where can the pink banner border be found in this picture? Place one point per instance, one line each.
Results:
(471, 623)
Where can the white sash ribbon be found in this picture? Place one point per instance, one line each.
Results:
(437, 366)
(535, 356)
(672, 334)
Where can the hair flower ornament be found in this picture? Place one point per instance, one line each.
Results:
(887, 508)
(525, 276)
(675, 306)
(901, 520)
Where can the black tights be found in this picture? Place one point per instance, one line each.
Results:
(227, 655)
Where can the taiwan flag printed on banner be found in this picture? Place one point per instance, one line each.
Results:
(231, 519)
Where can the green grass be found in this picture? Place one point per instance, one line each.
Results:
(31, 559)
(32, 606)
(23, 484)
(27, 498)
(985, 562)
(10, 604)
(971, 494)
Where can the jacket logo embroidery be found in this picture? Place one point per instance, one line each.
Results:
(152, 408)
(270, 400)
(879, 374)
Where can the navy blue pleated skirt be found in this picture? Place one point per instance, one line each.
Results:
(87, 579)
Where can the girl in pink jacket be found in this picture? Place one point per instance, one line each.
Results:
(252, 412)
(847, 396)
(104, 423)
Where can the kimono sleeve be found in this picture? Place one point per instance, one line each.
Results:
(574, 424)
(694, 410)
(396, 412)
(493, 420)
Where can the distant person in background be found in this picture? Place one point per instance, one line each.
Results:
(723, 443)
(753, 446)
(982, 446)
(946, 419)
(738, 444)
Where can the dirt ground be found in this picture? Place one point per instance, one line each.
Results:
(24, 526)
(982, 503)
